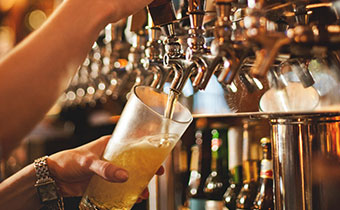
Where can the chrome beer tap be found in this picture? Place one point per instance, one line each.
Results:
(263, 32)
(197, 53)
(233, 59)
(200, 62)
(154, 53)
(227, 53)
(163, 16)
(304, 31)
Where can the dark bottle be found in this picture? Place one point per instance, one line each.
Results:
(217, 181)
(264, 198)
(235, 167)
(162, 12)
(196, 197)
(250, 160)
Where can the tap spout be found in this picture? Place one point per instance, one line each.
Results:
(178, 77)
(157, 76)
(215, 64)
(201, 67)
(231, 64)
(265, 57)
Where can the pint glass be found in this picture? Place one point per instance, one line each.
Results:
(140, 143)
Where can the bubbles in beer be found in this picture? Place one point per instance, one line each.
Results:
(162, 140)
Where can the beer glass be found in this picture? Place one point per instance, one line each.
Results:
(140, 143)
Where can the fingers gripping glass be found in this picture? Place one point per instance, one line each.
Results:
(140, 143)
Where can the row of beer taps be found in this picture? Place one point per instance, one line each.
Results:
(246, 45)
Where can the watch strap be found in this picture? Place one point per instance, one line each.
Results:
(44, 178)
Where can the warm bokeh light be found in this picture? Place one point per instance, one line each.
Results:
(36, 18)
(7, 39)
(6, 5)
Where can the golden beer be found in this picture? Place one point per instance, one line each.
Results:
(141, 158)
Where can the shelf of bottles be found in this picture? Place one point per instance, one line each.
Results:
(229, 165)
(236, 162)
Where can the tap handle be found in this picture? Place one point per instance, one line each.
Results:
(162, 12)
(139, 22)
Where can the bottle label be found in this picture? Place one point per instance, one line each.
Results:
(266, 169)
(196, 204)
(234, 147)
(194, 163)
(183, 161)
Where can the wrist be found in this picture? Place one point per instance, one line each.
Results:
(20, 187)
(46, 186)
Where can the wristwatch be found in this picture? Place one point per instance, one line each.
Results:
(46, 186)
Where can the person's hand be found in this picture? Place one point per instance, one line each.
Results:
(72, 169)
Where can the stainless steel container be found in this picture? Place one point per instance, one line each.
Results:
(306, 154)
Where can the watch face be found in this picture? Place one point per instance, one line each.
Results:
(47, 192)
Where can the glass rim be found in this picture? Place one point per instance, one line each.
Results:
(152, 110)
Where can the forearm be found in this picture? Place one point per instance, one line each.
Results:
(18, 191)
(35, 73)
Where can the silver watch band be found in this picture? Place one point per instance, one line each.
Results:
(41, 169)
(46, 187)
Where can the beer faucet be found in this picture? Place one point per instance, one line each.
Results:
(222, 47)
(260, 30)
(197, 53)
(231, 49)
(303, 36)
(154, 53)
(163, 16)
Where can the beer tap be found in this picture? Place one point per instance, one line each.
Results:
(231, 51)
(154, 53)
(224, 50)
(203, 62)
(197, 53)
(163, 16)
(196, 14)
(262, 31)
(303, 36)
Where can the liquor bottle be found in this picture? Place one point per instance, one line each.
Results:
(235, 167)
(264, 198)
(217, 181)
(195, 187)
(250, 172)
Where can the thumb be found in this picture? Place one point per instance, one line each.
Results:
(109, 171)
